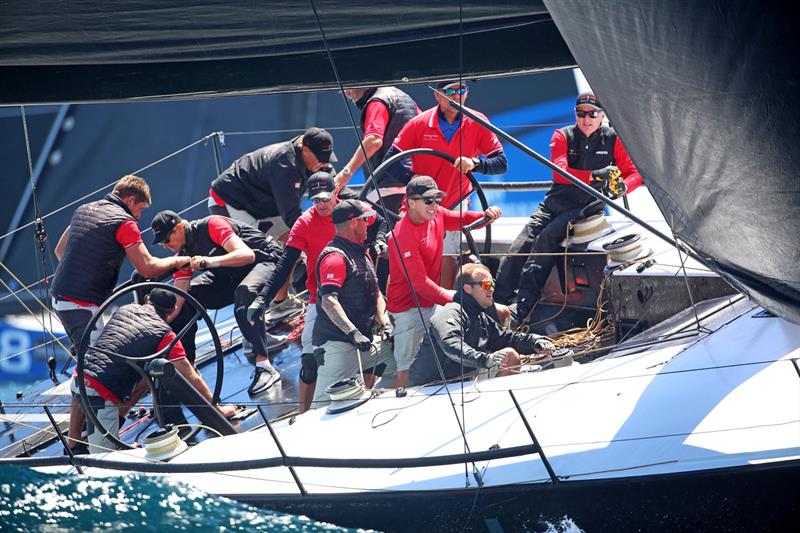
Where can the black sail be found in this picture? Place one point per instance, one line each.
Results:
(705, 96)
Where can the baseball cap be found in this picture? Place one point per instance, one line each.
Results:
(162, 299)
(588, 99)
(423, 186)
(320, 143)
(451, 84)
(163, 223)
(350, 209)
(320, 186)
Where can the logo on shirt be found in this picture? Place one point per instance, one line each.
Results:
(296, 185)
(430, 137)
(407, 254)
(602, 152)
(329, 276)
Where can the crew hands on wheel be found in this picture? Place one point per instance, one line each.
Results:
(493, 213)
(466, 164)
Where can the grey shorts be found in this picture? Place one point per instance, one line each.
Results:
(408, 334)
(308, 328)
(106, 411)
(453, 240)
(340, 362)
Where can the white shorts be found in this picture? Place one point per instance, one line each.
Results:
(308, 328)
(453, 240)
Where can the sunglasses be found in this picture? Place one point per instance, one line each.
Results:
(486, 284)
(320, 200)
(592, 114)
(452, 92)
(428, 201)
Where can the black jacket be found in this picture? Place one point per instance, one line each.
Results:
(463, 332)
(267, 182)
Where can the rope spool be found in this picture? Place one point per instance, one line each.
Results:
(346, 394)
(163, 444)
(626, 248)
(588, 229)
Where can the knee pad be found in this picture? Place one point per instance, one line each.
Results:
(308, 370)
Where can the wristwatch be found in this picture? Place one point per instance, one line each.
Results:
(477, 162)
(346, 171)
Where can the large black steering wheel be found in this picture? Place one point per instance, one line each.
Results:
(369, 184)
(136, 362)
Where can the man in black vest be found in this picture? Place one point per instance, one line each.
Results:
(134, 331)
(350, 308)
(384, 112)
(592, 152)
(235, 260)
(91, 250)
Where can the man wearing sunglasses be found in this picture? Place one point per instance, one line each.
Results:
(310, 234)
(592, 152)
(415, 247)
(467, 339)
(443, 128)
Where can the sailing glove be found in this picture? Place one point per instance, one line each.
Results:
(256, 309)
(609, 181)
(495, 359)
(360, 341)
(381, 249)
(387, 331)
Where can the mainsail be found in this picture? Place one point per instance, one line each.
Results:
(699, 92)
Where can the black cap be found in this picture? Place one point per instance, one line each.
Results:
(588, 99)
(350, 209)
(320, 143)
(162, 300)
(320, 185)
(446, 84)
(423, 186)
(163, 223)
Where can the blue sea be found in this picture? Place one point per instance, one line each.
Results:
(31, 501)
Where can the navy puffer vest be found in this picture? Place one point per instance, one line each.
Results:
(402, 108)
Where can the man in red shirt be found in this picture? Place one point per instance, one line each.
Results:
(593, 153)
(90, 252)
(234, 261)
(310, 234)
(415, 247)
(350, 307)
(443, 128)
(384, 112)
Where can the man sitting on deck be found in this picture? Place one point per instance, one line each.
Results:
(465, 338)
(134, 331)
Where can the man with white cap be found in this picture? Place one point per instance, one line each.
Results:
(592, 152)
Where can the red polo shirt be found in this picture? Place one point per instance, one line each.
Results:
(470, 140)
(311, 233)
(421, 248)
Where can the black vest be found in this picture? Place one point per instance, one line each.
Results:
(134, 331)
(358, 294)
(592, 153)
(198, 241)
(402, 108)
(92, 256)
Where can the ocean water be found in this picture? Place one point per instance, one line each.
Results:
(31, 501)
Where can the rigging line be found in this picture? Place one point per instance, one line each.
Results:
(383, 206)
(41, 322)
(343, 128)
(101, 189)
(24, 288)
(686, 278)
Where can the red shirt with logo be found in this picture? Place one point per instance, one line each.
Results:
(421, 248)
(470, 140)
(311, 233)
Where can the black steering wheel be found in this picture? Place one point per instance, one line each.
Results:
(369, 184)
(136, 362)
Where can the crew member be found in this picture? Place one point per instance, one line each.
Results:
(384, 112)
(134, 331)
(263, 189)
(593, 153)
(415, 247)
(91, 250)
(474, 148)
(465, 338)
(310, 234)
(235, 260)
(350, 308)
